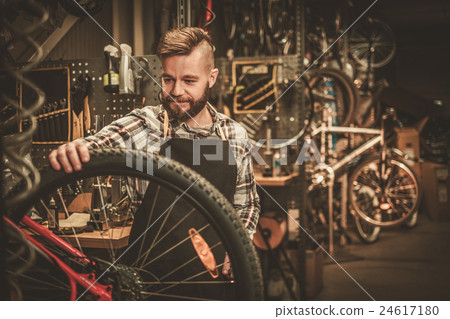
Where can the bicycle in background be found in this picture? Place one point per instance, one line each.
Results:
(383, 190)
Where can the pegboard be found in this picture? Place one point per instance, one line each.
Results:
(112, 105)
(286, 119)
(104, 107)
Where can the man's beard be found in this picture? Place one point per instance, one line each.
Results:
(177, 113)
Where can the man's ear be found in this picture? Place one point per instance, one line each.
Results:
(213, 77)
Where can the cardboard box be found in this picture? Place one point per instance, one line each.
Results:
(436, 191)
(409, 143)
(314, 272)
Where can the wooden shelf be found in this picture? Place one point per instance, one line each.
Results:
(274, 181)
(116, 237)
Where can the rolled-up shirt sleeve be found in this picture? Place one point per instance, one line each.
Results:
(246, 199)
(118, 134)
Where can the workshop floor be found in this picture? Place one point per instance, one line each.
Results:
(404, 264)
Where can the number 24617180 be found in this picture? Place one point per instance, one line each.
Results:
(409, 310)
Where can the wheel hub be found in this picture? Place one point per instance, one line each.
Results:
(126, 281)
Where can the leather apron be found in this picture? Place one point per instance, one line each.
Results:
(222, 174)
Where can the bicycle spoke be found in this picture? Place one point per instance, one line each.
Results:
(175, 296)
(367, 181)
(166, 234)
(190, 278)
(94, 219)
(393, 207)
(34, 266)
(128, 211)
(392, 175)
(159, 230)
(103, 208)
(176, 225)
(402, 187)
(148, 221)
(174, 246)
(61, 199)
(42, 282)
(410, 196)
(200, 282)
(196, 257)
(408, 209)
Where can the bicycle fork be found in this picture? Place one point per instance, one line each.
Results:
(382, 168)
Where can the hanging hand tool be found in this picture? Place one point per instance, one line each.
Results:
(111, 77)
(79, 92)
(126, 78)
(140, 73)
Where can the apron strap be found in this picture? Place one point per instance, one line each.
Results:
(166, 123)
(222, 134)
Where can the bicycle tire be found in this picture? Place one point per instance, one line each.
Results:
(411, 222)
(402, 189)
(346, 93)
(213, 209)
(368, 233)
(229, 18)
(278, 20)
(380, 35)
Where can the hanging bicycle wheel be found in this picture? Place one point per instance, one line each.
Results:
(386, 199)
(372, 38)
(334, 89)
(279, 20)
(173, 246)
(229, 18)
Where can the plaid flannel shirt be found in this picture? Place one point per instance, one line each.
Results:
(142, 129)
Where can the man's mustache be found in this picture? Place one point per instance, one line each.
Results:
(177, 100)
(182, 101)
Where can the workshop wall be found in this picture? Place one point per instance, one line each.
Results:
(85, 40)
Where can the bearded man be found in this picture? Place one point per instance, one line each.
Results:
(184, 117)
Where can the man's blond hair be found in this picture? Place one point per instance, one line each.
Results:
(181, 41)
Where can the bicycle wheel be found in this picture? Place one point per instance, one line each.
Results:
(179, 251)
(229, 18)
(376, 35)
(368, 233)
(332, 86)
(386, 200)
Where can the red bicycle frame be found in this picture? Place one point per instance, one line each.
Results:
(87, 281)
